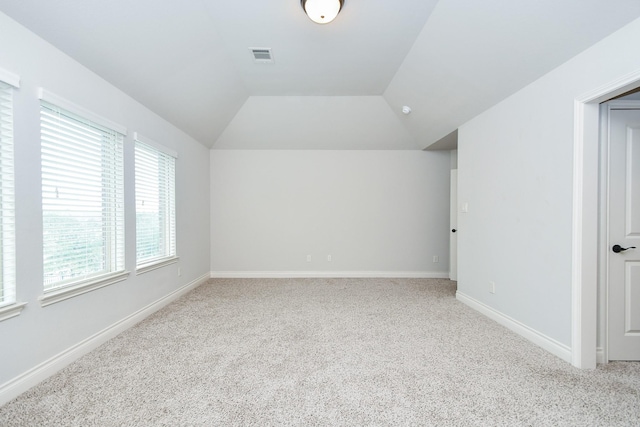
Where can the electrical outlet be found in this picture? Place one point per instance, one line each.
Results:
(308, 258)
(436, 258)
(329, 258)
(179, 271)
(492, 287)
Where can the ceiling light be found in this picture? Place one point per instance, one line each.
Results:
(322, 11)
(406, 110)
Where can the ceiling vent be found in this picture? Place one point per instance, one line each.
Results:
(261, 55)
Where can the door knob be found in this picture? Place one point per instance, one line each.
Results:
(454, 230)
(617, 248)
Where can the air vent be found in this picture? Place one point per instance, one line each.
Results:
(261, 55)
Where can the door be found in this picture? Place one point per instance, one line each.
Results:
(623, 276)
(453, 223)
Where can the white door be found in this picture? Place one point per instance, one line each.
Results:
(453, 223)
(623, 308)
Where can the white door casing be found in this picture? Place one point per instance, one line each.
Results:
(623, 229)
(453, 225)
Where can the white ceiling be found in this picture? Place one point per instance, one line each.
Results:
(189, 61)
(357, 54)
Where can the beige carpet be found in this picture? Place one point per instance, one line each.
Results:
(348, 352)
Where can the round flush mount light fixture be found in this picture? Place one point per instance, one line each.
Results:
(322, 11)
(406, 110)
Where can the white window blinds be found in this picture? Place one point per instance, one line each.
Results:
(155, 204)
(7, 206)
(82, 198)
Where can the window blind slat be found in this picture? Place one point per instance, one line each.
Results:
(155, 203)
(82, 198)
(56, 103)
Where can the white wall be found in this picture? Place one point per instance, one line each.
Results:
(317, 123)
(41, 333)
(472, 54)
(373, 211)
(515, 171)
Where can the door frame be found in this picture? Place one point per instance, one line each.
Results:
(602, 353)
(585, 223)
(453, 222)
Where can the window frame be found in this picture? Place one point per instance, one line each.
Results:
(113, 213)
(166, 209)
(9, 305)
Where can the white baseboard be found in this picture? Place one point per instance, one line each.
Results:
(549, 344)
(18, 385)
(329, 274)
(600, 356)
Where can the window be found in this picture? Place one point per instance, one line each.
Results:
(7, 207)
(155, 204)
(82, 199)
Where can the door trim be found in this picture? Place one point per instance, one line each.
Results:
(453, 223)
(585, 230)
(603, 236)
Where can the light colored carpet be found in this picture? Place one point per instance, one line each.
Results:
(311, 352)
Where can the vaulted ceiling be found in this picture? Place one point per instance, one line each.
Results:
(335, 86)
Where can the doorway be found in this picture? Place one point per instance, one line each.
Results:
(585, 229)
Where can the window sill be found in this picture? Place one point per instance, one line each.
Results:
(156, 264)
(57, 295)
(11, 310)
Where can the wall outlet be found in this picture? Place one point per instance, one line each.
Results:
(329, 258)
(492, 287)
(308, 258)
(179, 271)
(436, 258)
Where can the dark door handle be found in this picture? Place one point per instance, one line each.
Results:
(617, 248)
(454, 230)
